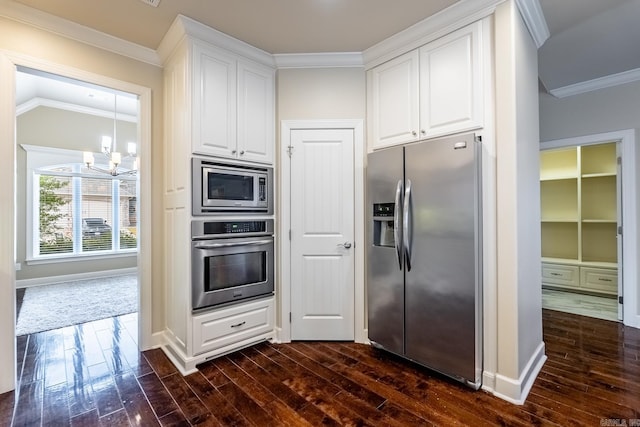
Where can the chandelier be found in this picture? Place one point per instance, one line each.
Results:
(108, 149)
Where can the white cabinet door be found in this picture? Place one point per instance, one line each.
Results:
(214, 102)
(451, 83)
(255, 112)
(393, 113)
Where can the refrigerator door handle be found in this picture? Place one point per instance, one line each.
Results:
(407, 226)
(397, 231)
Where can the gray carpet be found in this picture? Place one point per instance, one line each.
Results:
(64, 304)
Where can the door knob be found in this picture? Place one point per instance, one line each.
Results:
(345, 245)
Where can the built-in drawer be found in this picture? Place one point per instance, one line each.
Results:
(600, 279)
(232, 325)
(560, 274)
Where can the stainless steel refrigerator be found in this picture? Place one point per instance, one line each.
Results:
(424, 254)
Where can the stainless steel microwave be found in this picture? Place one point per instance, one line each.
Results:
(220, 188)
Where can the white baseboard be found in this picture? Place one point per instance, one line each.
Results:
(50, 280)
(488, 381)
(517, 390)
(157, 340)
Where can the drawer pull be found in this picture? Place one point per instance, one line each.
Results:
(556, 274)
(237, 325)
(604, 280)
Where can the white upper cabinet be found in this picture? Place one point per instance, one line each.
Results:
(451, 83)
(394, 104)
(432, 91)
(233, 106)
(256, 120)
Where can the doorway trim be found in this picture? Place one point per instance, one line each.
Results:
(8, 65)
(283, 330)
(629, 212)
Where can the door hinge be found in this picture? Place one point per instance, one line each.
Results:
(289, 317)
(620, 299)
(620, 230)
(619, 160)
(290, 150)
(289, 234)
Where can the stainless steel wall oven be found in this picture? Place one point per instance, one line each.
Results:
(231, 261)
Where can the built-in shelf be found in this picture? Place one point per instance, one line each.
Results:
(578, 195)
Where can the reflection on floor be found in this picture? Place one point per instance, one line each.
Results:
(586, 305)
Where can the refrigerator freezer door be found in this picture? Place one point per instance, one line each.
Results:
(441, 287)
(385, 275)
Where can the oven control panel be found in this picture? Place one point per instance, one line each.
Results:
(214, 229)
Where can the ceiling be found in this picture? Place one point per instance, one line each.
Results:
(589, 38)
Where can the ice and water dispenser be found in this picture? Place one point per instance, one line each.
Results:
(383, 224)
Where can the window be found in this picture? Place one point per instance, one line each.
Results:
(75, 211)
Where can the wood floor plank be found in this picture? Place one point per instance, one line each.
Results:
(83, 376)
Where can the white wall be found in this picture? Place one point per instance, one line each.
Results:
(520, 350)
(605, 110)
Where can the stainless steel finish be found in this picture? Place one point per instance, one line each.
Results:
(198, 230)
(228, 263)
(345, 245)
(202, 205)
(228, 245)
(430, 311)
(407, 226)
(385, 282)
(397, 231)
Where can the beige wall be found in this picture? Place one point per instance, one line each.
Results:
(314, 94)
(52, 127)
(21, 40)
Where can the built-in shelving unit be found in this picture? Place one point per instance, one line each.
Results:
(579, 211)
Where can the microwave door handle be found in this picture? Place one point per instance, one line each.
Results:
(227, 245)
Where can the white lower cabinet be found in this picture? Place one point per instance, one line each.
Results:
(579, 277)
(219, 330)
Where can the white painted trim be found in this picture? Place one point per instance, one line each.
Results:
(629, 212)
(442, 23)
(628, 76)
(144, 157)
(183, 26)
(534, 19)
(63, 27)
(284, 330)
(50, 280)
(319, 60)
(7, 226)
(517, 390)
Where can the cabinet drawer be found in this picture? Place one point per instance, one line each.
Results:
(558, 274)
(601, 279)
(231, 325)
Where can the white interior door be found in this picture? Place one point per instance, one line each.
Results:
(322, 234)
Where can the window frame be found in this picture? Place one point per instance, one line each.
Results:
(39, 159)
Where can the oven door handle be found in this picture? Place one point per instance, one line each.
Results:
(227, 245)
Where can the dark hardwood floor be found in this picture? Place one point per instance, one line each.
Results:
(93, 374)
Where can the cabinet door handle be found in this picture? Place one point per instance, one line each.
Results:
(422, 131)
(556, 274)
(604, 280)
(237, 325)
(414, 133)
(242, 153)
(234, 151)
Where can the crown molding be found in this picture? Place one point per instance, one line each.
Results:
(319, 60)
(442, 23)
(45, 21)
(184, 26)
(595, 84)
(75, 108)
(534, 19)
